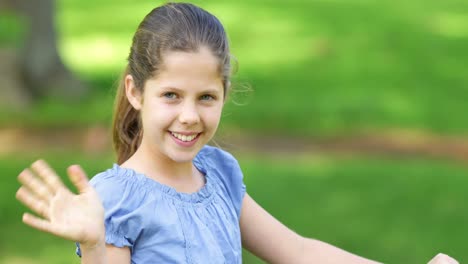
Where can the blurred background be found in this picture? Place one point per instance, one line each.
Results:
(354, 133)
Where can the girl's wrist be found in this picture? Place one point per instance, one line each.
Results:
(93, 245)
(97, 241)
(93, 252)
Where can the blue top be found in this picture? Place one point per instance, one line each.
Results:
(161, 225)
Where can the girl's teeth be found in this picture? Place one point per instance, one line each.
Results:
(183, 137)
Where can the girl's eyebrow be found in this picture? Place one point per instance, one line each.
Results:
(210, 91)
(206, 91)
(171, 88)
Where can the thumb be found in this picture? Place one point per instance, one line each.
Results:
(78, 178)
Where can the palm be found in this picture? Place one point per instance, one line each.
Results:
(77, 217)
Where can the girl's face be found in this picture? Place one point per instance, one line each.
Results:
(181, 107)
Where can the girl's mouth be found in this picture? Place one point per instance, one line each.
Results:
(186, 137)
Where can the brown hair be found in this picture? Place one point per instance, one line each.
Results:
(171, 27)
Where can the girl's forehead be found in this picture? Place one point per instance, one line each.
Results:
(184, 70)
(203, 58)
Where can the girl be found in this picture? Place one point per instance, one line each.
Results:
(170, 198)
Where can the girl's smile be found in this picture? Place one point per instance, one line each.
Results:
(185, 139)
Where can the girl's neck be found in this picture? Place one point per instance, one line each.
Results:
(183, 176)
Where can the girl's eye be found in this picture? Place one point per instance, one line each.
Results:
(170, 95)
(207, 97)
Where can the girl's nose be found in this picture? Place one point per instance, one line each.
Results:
(189, 114)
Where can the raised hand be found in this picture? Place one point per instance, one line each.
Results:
(77, 217)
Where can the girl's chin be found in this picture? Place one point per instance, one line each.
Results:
(183, 156)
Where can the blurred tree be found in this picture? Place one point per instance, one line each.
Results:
(36, 70)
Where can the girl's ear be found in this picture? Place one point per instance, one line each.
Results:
(133, 94)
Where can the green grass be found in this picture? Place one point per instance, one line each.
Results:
(317, 67)
(393, 210)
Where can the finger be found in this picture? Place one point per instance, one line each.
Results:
(48, 175)
(37, 223)
(443, 259)
(449, 260)
(36, 186)
(29, 200)
(78, 178)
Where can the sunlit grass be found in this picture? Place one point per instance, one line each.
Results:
(96, 53)
(453, 25)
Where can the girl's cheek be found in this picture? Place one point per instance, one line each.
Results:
(164, 109)
(213, 113)
(215, 120)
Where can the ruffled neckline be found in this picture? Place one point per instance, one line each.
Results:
(201, 196)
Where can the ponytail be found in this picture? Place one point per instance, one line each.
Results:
(126, 126)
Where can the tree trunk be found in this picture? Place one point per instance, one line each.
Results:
(13, 94)
(40, 68)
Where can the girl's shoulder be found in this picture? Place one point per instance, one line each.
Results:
(216, 158)
(118, 185)
(115, 176)
(225, 170)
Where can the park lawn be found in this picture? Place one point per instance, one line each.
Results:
(396, 210)
(317, 68)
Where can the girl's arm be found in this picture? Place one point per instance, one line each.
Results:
(105, 253)
(76, 217)
(273, 242)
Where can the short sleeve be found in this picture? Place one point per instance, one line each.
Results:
(228, 172)
(120, 198)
